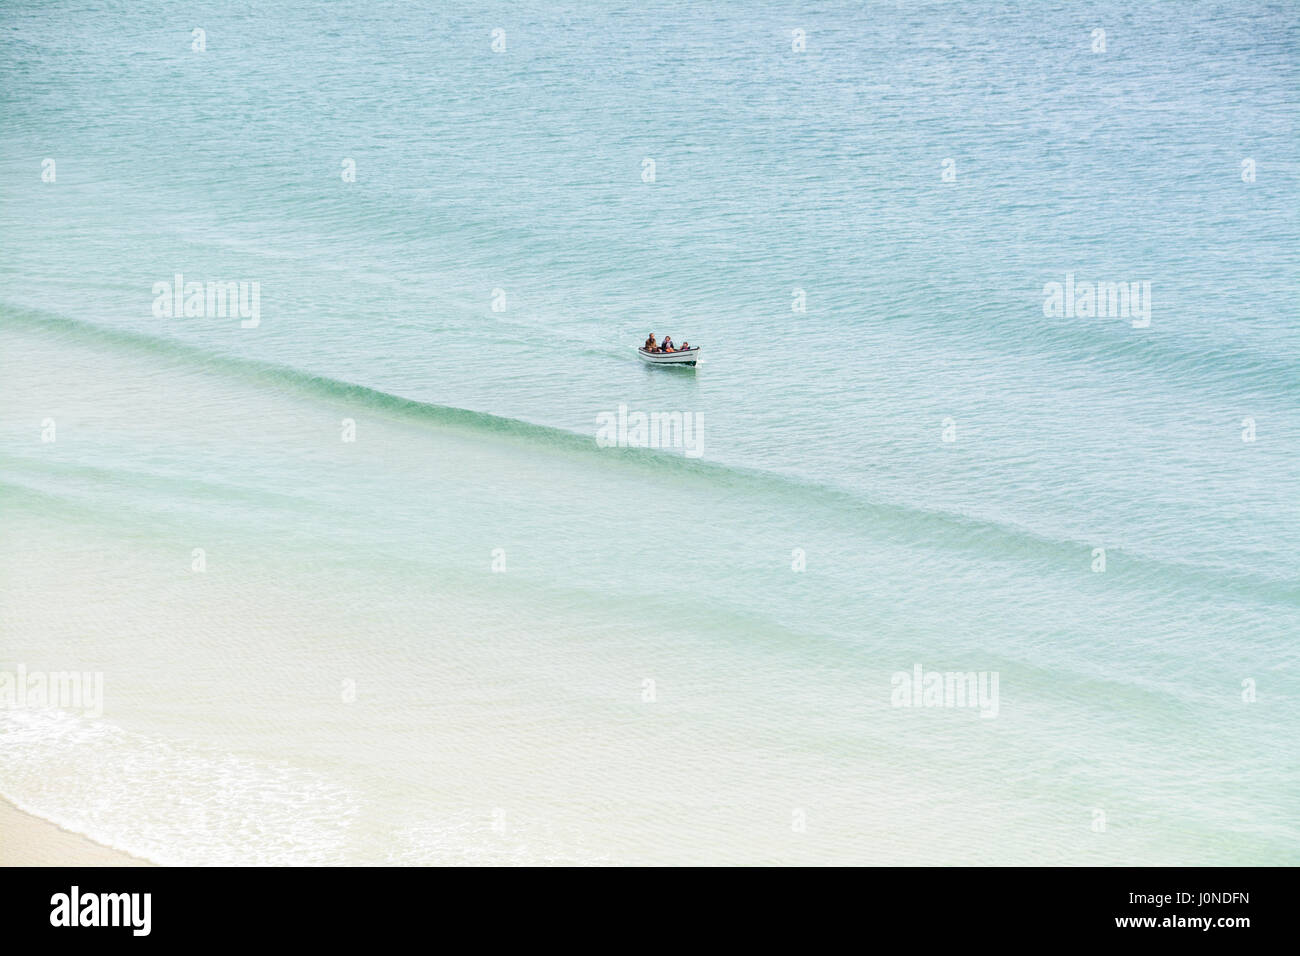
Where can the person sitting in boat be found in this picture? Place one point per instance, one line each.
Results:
(668, 343)
(686, 346)
(650, 344)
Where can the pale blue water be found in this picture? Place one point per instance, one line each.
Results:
(521, 171)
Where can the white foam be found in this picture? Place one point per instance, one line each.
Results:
(174, 804)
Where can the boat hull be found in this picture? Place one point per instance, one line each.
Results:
(688, 357)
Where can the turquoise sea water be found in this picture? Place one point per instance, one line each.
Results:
(649, 679)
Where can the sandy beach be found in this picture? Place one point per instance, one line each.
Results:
(26, 840)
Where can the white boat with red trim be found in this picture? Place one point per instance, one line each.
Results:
(675, 357)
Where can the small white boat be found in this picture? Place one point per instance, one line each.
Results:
(678, 357)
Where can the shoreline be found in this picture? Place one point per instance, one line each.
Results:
(27, 840)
